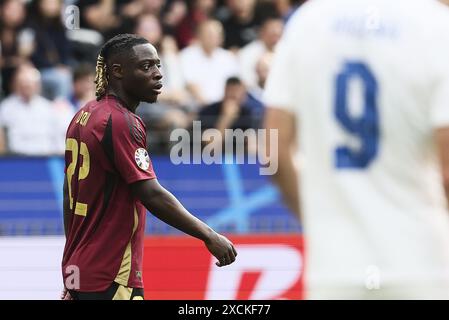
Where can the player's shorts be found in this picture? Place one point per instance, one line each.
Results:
(114, 292)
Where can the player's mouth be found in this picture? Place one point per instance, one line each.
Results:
(157, 88)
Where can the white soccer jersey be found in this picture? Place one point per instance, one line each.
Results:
(368, 81)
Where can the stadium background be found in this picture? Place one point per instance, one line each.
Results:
(234, 199)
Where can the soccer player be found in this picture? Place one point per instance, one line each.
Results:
(110, 181)
(362, 86)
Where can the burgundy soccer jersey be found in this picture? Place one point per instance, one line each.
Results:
(105, 153)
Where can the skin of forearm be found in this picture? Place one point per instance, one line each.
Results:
(442, 143)
(287, 180)
(446, 187)
(163, 205)
(2, 141)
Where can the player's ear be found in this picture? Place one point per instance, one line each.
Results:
(117, 71)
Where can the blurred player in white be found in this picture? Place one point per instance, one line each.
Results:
(362, 88)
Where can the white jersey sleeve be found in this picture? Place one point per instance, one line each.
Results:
(439, 109)
(280, 87)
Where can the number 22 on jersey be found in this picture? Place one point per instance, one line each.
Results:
(76, 150)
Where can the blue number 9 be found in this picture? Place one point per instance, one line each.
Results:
(365, 127)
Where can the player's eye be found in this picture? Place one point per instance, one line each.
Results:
(147, 67)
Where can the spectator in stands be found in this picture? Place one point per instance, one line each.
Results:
(14, 46)
(233, 112)
(265, 9)
(99, 15)
(171, 109)
(152, 6)
(130, 11)
(240, 25)
(287, 7)
(83, 86)
(198, 11)
(27, 120)
(194, 78)
(262, 68)
(269, 35)
(206, 66)
(254, 100)
(111, 17)
(51, 48)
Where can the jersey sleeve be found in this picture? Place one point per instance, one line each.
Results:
(280, 86)
(439, 109)
(131, 159)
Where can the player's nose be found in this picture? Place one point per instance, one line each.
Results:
(157, 75)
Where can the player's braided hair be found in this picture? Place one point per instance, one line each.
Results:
(118, 44)
(101, 80)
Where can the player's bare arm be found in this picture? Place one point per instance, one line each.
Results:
(162, 204)
(286, 176)
(442, 141)
(2, 141)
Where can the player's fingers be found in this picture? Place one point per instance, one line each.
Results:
(231, 255)
(222, 261)
(227, 259)
(233, 250)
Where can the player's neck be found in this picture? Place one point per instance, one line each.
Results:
(127, 102)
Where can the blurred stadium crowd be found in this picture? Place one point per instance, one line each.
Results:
(215, 57)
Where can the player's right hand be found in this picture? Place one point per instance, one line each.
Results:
(222, 249)
(65, 295)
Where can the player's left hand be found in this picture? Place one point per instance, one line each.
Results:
(222, 249)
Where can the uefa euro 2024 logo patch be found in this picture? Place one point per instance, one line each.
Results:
(142, 158)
